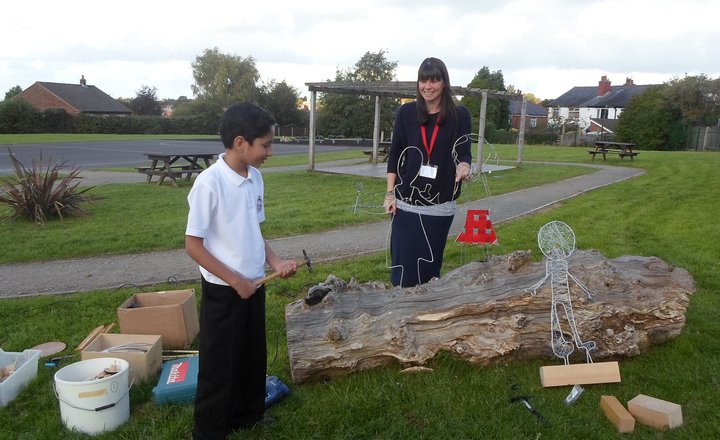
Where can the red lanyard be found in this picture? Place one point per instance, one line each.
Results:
(423, 132)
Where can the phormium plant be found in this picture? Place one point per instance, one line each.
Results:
(41, 192)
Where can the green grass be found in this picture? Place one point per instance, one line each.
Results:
(670, 212)
(138, 217)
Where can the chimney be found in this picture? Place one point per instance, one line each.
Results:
(604, 86)
(82, 81)
(628, 82)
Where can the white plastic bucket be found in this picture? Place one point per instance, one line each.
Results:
(93, 405)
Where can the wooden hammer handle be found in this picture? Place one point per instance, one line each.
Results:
(274, 275)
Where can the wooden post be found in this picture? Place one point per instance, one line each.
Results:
(579, 374)
(617, 414)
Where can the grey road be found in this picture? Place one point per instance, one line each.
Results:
(127, 153)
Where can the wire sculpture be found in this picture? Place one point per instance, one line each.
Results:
(431, 203)
(478, 229)
(557, 242)
(361, 207)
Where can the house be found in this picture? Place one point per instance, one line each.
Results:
(73, 98)
(536, 116)
(596, 109)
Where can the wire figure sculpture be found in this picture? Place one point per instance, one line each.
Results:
(478, 229)
(557, 242)
(360, 206)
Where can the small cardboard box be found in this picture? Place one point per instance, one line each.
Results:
(142, 352)
(172, 314)
(24, 367)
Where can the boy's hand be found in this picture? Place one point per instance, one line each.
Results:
(286, 268)
(244, 287)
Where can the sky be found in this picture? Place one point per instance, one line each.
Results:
(542, 47)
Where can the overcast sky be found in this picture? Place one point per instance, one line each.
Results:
(544, 47)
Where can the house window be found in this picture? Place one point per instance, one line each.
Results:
(533, 122)
(574, 113)
(602, 113)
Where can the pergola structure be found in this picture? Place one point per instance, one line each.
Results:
(407, 89)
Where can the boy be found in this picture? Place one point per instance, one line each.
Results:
(223, 236)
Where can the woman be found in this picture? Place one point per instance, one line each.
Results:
(429, 157)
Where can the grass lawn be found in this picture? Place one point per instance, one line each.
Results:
(670, 212)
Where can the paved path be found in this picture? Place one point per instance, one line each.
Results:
(78, 275)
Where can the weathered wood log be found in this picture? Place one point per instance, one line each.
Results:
(482, 313)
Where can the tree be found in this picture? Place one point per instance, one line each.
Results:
(146, 102)
(498, 111)
(353, 115)
(662, 117)
(224, 79)
(280, 99)
(697, 98)
(14, 91)
(651, 121)
(220, 81)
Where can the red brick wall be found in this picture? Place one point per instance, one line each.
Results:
(43, 99)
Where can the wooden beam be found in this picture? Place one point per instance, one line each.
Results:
(579, 374)
(618, 415)
(654, 412)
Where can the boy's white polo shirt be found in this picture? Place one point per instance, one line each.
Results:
(226, 210)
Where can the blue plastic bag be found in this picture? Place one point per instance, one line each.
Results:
(275, 390)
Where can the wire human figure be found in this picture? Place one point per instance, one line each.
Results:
(557, 242)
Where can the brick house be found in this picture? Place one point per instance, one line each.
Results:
(536, 116)
(73, 98)
(596, 109)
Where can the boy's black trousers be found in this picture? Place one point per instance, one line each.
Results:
(233, 362)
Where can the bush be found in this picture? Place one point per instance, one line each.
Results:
(40, 193)
(17, 116)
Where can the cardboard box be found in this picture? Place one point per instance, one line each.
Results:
(24, 368)
(172, 314)
(143, 364)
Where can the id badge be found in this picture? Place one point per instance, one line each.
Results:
(429, 171)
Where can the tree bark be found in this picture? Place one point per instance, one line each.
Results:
(482, 312)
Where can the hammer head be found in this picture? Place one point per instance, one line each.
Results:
(307, 263)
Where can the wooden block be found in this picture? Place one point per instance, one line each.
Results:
(617, 414)
(93, 334)
(580, 374)
(654, 412)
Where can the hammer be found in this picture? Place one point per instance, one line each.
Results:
(526, 401)
(305, 262)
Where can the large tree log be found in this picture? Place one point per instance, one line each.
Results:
(482, 313)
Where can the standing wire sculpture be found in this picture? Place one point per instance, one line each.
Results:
(557, 242)
(478, 229)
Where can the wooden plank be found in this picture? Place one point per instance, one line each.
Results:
(654, 412)
(618, 415)
(579, 374)
(93, 334)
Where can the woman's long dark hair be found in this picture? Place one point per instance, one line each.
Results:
(434, 69)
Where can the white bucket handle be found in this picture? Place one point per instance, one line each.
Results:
(100, 408)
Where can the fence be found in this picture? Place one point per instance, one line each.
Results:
(703, 138)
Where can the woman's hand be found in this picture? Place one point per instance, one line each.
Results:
(389, 203)
(462, 171)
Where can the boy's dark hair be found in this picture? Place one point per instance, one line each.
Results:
(246, 120)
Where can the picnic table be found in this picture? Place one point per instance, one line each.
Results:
(382, 152)
(622, 149)
(174, 165)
